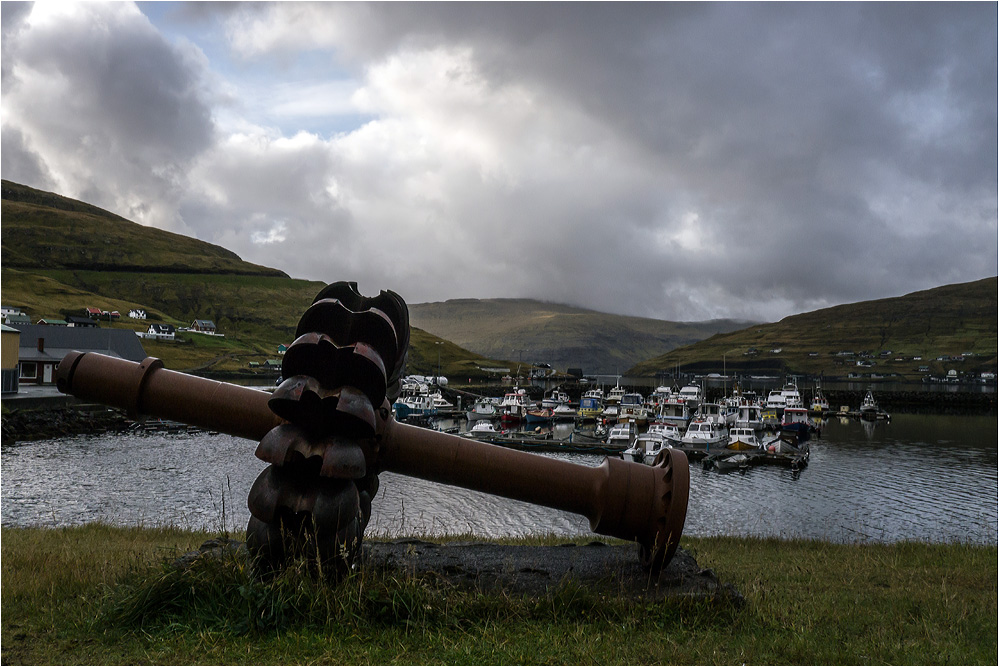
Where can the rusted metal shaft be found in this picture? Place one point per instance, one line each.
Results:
(627, 500)
(147, 388)
(632, 501)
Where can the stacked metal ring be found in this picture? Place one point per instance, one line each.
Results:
(343, 372)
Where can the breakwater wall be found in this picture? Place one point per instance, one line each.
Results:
(43, 424)
(928, 402)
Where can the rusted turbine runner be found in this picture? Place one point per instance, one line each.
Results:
(632, 501)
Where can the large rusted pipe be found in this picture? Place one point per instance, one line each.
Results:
(632, 501)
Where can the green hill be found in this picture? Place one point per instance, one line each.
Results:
(61, 256)
(564, 336)
(42, 230)
(881, 337)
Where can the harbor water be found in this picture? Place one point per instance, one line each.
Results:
(927, 478)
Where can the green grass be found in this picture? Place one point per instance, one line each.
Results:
(949, 320)
(96, 594)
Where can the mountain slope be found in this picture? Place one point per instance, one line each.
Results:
(945, 321)
(42, 230)
(564, 336)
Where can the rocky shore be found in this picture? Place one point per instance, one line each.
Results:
(20, 425)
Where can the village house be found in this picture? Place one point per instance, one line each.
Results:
(137, 314)
(15, 320)
(76, 321)
(161, 332)
(48, 321)
(93, 313)
(41, 348)
(203, 326)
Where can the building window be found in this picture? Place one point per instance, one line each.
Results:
(29, 370)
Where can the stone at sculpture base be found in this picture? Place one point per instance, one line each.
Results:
(528, 570)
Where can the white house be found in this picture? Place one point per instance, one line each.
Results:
(137, 314)
(161, 332)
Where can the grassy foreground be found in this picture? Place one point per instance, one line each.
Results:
(103, 595)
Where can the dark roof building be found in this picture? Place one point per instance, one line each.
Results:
(42, 347)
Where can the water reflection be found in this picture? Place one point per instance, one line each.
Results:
(927, 478)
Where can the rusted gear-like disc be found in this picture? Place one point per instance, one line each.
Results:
(671, 495)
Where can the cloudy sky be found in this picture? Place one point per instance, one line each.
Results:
(680, 161)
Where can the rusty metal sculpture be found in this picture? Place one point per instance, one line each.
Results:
(328, 430)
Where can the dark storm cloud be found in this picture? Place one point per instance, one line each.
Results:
(783, 121)
(666, 159)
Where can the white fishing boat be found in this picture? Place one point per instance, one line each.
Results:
(820, 404)
(622, 435)
(674, 411)
(645, 448)
(555, 399)
(440, 402)
(483, 428)
(667, 431)
(869, 410)
(614, 395)
(482, 409)
(691, 395)
(657, 398)
(704, 434)
(749, 415)
(792, 399)
(713, 412)
(564, 412)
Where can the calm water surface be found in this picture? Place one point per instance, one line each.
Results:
(920, 477)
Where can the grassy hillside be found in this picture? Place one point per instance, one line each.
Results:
(42, 230)
(61, 256)
(951, 320)
(564, 336)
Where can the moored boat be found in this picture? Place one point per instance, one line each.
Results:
(869, 409)
(622, 435)
(419, 405)
(563, 411)
(674, 411)
(555, 399)
(590, 407)
(482, 409)
(743, 438)
(645, 448)
(632, 409)
(538, 415)
(795, 420)
(749, 415)
(614, 395)
(514, 406)
(820, 404)
(702, 437)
